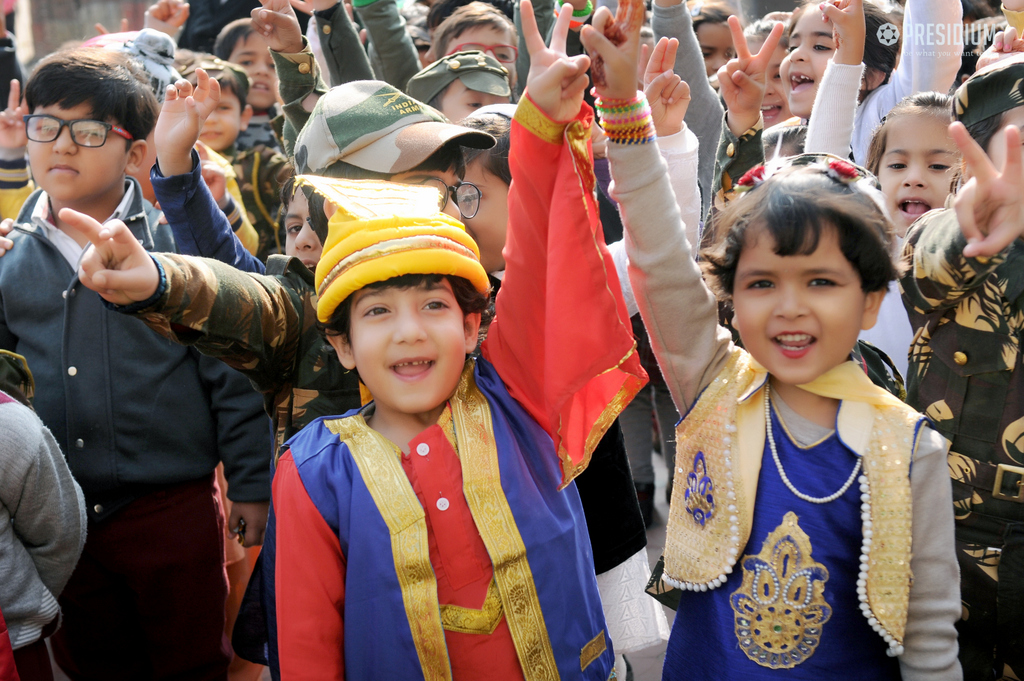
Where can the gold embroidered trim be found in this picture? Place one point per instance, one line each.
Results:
(472, 621)
(593, 650)
(704, 552)
(396, 501)
(780, 609)
(887, 467)
(493, 517)
(537, 122)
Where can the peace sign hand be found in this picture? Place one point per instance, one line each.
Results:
(742, 80)
(556, 81)
(989, 206)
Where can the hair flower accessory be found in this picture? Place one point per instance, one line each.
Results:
(843, 171)
(752, 177)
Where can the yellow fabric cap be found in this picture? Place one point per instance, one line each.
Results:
(383, 230)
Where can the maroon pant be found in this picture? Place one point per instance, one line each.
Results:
(146, 600)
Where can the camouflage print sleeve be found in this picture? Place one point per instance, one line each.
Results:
(938, 275)
(736, 155)
(253, 323)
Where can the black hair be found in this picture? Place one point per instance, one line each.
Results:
(783, 140)
(469, 299)
(795, 207)
(711, 12)
(495, 159)
(444, 9)
(230, 35)
(110, 82)
(984, 130)
(919, 104)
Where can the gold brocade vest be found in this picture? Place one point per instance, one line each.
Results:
(719, 448)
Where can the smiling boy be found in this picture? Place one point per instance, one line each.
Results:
(143, 423)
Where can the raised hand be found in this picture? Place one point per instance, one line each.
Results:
(277, 23)
(614, 45)
(115, 265)
(167, 16)
(847, 18)
(12, 121)
(556, 82)
(666, 92)
(742, 80)
(181, 120)
(989, 206)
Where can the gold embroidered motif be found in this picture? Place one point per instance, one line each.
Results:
(396, 501)
(593, 650)
(780, 608)
(493, 517)
(471, 621)
(534, 120)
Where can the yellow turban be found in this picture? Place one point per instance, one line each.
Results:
(383, 230)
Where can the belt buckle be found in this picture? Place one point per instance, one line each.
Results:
(997, 488)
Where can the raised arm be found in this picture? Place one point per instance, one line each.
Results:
(561, 340)
(394, 46)
(339, 41)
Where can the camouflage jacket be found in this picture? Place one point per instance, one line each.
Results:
(261, 171)
(261, 325)
(965, 362)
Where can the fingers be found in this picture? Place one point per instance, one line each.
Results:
(764, 55)
(561, 31)
(87, 225)
(1012, 166)
(602, 17)
(964, 206)
(531, 34)
(738, 41)
(668, 60)
(975, 158)
(14, 98)
(5, 228)
(658, 55)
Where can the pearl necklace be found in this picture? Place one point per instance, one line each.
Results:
(778, 462)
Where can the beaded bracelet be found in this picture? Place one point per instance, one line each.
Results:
(626, 121)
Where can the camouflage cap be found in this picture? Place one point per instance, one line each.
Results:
(371, 125)
(990, 92)
(218, 69)
(477, 71)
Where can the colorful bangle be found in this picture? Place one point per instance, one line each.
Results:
(626, 121)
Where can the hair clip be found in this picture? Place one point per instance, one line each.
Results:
(842, 171)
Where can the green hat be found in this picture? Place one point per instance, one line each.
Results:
(187, 62)
(371, 125)
(477, 71)
(990, 92)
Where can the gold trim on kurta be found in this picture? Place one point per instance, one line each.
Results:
(396, 501)
(472, 621)
(593, 650)
(481, 478)
(537, 122)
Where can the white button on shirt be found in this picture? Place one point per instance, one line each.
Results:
(423, 449)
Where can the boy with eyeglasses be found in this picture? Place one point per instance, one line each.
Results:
(143, 423)
(479, 27)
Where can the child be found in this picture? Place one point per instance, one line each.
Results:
(143, 423)
(879, 84)
(260, 169)
(479, 26)
(301, 240)
(914, 159)
(239, 44)
(461, 83)
(709, 23)
(775, 106)
(42, 526)
(423, 601)
(965, 366)
(786, 570)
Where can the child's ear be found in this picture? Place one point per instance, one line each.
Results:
(471, 327)
(872, 304)
(136, 155)
(243, 124)
(344, 350)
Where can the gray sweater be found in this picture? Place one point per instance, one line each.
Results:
(42, 523)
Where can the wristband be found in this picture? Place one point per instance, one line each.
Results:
(626, 121)
(579, 16)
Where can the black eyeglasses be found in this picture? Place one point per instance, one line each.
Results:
(84, 132)
(466, 196)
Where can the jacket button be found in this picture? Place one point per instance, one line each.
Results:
(960, 358)
(72, 371)
(327, 30)
(304, 68)
(730, 150)
(423, 449)
(79, 443)
(98, 508)
(64, 295)
(442, 504)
